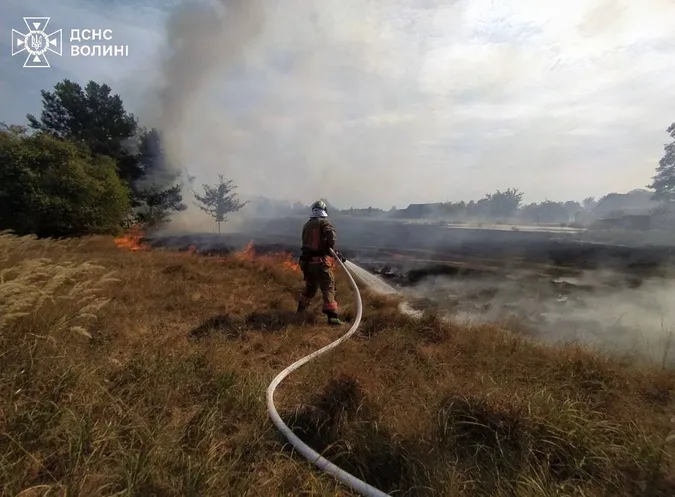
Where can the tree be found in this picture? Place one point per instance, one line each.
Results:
(664, 179)
(454, 210)
(159, 191)
(218, 200)
(546, 212)
(95, 118)
(50, 187)
(157, 204)
(91, 116)
(503, 204)
(573, 208)
(476, 209)
(589, 203)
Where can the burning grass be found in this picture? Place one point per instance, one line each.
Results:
(137, 372)
(284, 260)
(132, 240)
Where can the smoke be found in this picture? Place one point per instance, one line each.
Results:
(389, 103)
(596, 308)
(202, 40)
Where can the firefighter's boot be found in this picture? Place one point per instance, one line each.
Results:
(334, 319)
(302, 307)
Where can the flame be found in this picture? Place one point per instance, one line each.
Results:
(248, 254)
(131, 240)
(293, 266)
(282, 259)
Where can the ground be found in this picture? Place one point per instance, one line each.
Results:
(144, 373)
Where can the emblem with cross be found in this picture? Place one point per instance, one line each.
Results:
(37, 42)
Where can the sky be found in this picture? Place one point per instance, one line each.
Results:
(380, 102)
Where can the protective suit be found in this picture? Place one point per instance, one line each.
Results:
(318, 237)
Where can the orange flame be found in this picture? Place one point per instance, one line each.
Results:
(248, 254)
(282, 258)
(131, 240)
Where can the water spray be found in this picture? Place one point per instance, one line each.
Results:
(305, 450)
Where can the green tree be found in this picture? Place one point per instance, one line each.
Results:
(155, 199)
(50, 187)
(219, 200)
(664, 179)
(95, 118)
(157, 204)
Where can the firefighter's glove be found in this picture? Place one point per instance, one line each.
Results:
(340, 256)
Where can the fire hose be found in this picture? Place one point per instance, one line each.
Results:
(305, 450)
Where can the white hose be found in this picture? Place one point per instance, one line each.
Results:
(305, 450)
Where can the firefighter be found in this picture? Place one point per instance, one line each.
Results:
(318, 237)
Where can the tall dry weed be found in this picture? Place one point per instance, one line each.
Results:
(47, 296)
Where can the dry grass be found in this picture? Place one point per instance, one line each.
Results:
(144, 374)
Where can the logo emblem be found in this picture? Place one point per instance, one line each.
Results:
(37, 42)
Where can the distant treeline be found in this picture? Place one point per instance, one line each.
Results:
(498, 207)
(507, 206)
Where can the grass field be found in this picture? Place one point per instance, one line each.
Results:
(144, 373)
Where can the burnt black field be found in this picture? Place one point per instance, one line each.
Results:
(397, 249)
(612, 290)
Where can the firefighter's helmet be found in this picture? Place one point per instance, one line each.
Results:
(320, 204)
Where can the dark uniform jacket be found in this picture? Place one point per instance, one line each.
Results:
(318, 237)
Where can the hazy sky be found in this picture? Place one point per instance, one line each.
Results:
(382, 102)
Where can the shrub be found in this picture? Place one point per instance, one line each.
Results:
(51, 187)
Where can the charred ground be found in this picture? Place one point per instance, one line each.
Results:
(409, 245)
(555, 286)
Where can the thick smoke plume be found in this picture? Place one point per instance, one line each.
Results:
(204, 40)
